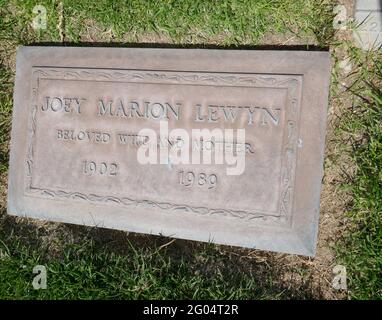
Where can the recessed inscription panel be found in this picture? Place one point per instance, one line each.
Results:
(94, 138)
(209, 145)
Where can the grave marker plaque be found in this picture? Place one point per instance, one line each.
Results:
(94, 132)
(368, 18)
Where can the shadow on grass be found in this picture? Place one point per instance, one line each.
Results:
(172, 269)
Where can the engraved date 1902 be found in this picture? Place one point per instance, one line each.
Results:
(99, 168)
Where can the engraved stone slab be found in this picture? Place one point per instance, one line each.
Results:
(76, 138)
(368, 16)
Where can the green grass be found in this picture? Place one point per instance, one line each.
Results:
(224, 22)
(88, 272)
(5, 115)
(91, 263)
(119, 269)
(361, 247)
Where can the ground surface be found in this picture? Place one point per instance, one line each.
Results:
(92, 263)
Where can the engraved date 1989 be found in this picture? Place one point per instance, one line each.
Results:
(91, 168)
(201, 179)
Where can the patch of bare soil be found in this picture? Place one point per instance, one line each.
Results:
(287, 39)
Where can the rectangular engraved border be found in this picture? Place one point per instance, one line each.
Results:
(293, 84)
